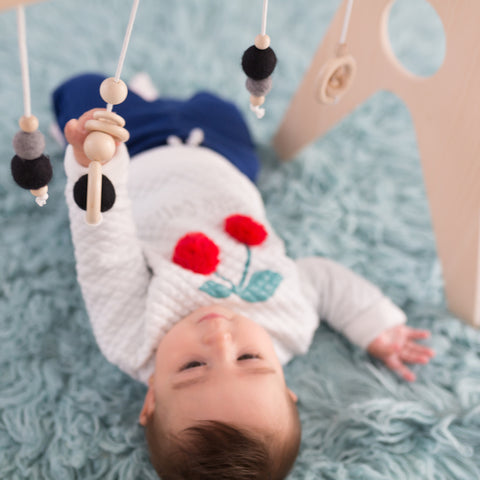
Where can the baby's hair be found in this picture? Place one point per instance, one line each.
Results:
(221, 451)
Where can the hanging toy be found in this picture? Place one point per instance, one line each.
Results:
(31, 169)
(337, 75)
(258, 63)
(106, 130)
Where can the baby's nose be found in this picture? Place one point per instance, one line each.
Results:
(218, 337)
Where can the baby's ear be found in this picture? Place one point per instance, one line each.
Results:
(148, 408)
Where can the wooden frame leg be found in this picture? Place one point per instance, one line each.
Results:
(446, 117)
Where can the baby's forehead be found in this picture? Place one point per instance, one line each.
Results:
(239, 401)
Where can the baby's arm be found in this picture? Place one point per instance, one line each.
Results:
(360, 311)
(111, 268)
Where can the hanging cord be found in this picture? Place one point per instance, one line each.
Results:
(346, 22)
(126, 41)
(264, 17)
(22, 45)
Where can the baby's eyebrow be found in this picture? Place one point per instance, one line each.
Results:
(260, 370)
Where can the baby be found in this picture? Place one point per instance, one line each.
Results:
(189, 289)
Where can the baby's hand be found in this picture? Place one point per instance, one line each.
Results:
(75, 134)
(397, 346)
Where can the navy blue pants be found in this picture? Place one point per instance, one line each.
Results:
(151, 123)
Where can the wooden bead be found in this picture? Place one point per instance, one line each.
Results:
(118, 133)
(28, 124)
(262, 42)
(257, 101)
(99, 146)
(40, 191)
(113, 92)
(110, 117)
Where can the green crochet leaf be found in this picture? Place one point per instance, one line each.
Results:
(261, 287)
(215, 290)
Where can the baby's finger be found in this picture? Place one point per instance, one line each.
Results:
(417, 334)
(395, 364)
(409, 356)
(420, 349)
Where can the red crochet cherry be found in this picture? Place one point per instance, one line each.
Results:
(196, 252)
(245, 230)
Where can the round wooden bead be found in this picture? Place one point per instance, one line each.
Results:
(40, 192)
(257, 101)
(113, 92)
(262, 41)
(28, 124)
(99, 146)
(259, 88)
(29, 145)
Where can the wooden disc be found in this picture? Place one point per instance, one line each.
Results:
(335, 78)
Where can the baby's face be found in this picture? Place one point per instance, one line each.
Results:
(217, 365)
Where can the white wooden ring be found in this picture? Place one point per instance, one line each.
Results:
(335, 78)
(94, 194)
(109, 117)
(118, 133)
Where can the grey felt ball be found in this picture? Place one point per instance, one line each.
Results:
(259, 88)
(29, 145)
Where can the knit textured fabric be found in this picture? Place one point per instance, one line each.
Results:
(135, 292)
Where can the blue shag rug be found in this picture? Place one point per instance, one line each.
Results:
(356, 195)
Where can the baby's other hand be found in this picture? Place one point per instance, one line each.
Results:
(397, 346)
(75, 134)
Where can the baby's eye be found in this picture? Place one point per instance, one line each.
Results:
(248, 356)
(193, 364)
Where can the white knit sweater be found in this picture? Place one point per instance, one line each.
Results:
(135, 293)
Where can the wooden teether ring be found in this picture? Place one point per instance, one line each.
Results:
(120, 134)
(335, 78)
(110, 117)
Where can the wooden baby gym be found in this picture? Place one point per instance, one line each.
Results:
(354, 60)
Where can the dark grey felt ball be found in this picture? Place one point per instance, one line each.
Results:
(259, 88)
(108, 193)
(29, 145)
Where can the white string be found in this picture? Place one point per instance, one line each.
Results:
(264, 17)
(346, 22)
(258, 111)
(126, 41)
(22, 45)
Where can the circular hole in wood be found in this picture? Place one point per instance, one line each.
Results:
(417, 37)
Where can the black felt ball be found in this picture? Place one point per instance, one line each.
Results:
(31, 174)
(258, 64)
(80, 193)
